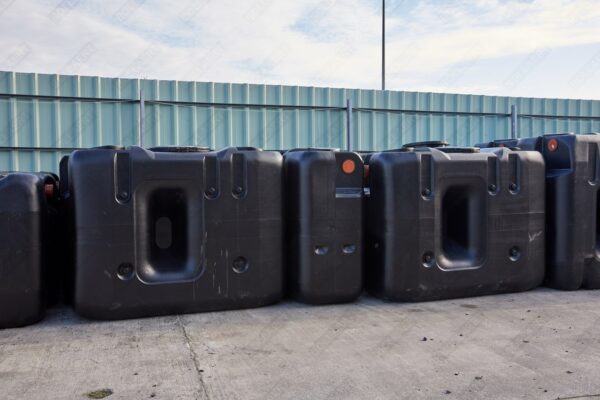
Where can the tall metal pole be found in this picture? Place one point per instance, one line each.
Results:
(349, 124)
(382, 44)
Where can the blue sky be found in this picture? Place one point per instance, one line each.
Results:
(540, 48)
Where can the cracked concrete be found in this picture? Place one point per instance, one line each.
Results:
(542, 344)
(201, 386)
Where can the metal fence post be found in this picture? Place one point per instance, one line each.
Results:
(513, 121)
(382, 44)
(142, 119)
(349, 124)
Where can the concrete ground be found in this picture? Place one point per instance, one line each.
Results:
(543, 344)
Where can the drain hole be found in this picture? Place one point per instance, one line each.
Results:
(514, 253)
(125, 271)
(428, 259)
(321, 250)
(349, 248)
(240, 265)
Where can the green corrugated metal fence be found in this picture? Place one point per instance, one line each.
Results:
(43, 117)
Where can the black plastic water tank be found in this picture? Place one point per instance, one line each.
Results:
(324, 192)
(443, 223)
(572, 206)
(28, 279)
(170, 232)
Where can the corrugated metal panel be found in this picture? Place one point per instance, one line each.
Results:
(381, 119)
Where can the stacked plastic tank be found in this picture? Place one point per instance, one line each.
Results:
(133, 232)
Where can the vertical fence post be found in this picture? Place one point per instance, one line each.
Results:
(349, 124)
(513, 121)
(382, 44)
(142, 119)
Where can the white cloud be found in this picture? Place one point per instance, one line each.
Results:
(431, 45)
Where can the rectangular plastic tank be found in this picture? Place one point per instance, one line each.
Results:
(572, 206)
(175, 231)
(324, 193)
(28, 274)
(454, 222)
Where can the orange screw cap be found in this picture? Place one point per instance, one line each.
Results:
(348, 166)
